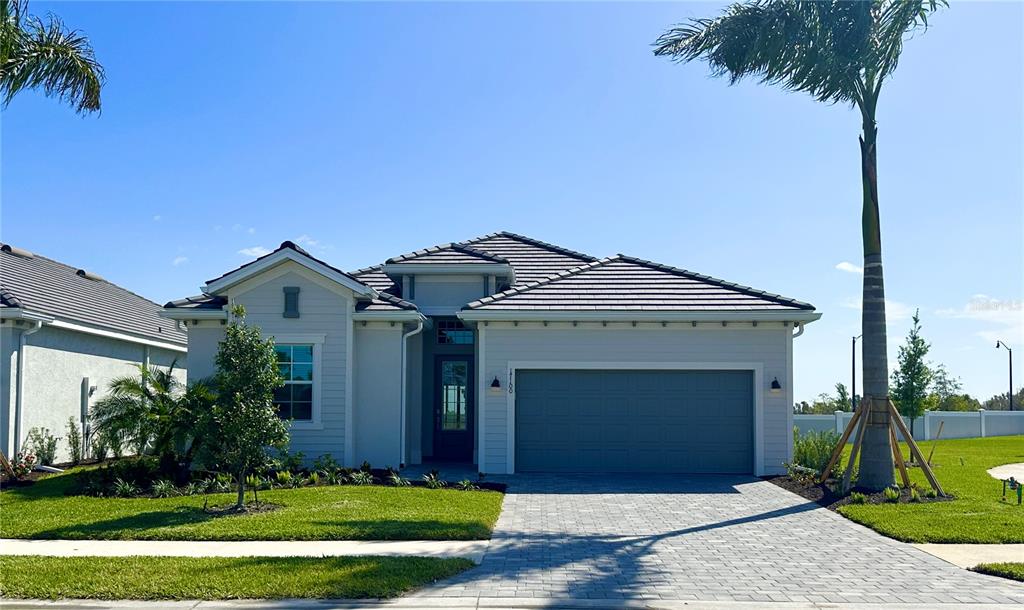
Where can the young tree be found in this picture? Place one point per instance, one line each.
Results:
(913, 377)
(836, 51)
(47, 56)
(242, 423)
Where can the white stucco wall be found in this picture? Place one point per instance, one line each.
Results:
(204, 337)
(56, 362)
(769, 346)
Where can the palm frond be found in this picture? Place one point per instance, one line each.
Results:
(50, 57)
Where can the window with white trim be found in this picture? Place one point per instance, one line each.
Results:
(294, 400)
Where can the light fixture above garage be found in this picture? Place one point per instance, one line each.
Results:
(776, 387)
(496, 384)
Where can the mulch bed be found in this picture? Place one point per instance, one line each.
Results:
(822, 495)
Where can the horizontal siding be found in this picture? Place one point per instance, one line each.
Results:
(764, 345)
(321, 311)
(377, 362)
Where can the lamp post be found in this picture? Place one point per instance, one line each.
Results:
(853, 373)
(1010, 395)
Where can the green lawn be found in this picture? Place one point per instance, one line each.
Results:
(976, 515)
(219, 577)
(310, 513)
(1013, 571)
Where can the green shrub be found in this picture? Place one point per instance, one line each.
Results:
(125, 489)
(164, 489)
(43, 444)
(467, 485)
(313, 478)
(74, 440)
(433, 480)
(915, 496)
(930, 493)
(397, 480)
(284, 477)
(891, 494)
(858, 498)
(326, 463)
(813, 449)
(361, 478)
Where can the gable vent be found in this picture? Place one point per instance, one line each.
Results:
(88, 275)
(8, 248)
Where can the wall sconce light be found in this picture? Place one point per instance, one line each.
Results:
(92, 390)
(776, 387)
(496, 384)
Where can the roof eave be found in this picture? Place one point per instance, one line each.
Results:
(508, 315)
(405, 315)
(20, 313)
(183, 313)
(271, 260)
(393, 269)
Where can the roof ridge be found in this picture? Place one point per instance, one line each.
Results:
(456, 246)
(75, 270)
(9, 297)
(715, 280)
(290, 245)
(535, 242)
(547, 280)
(366, 270)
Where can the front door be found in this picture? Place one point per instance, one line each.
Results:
(453, 409)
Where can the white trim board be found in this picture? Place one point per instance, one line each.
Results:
(796, 315)
(317, 340)
(756, 367)
(276, 258)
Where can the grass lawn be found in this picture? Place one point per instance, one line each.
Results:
(218, 577)
(309, 513)
(1013, 571)
(976, 515)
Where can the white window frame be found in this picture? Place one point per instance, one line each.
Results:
(317, 341)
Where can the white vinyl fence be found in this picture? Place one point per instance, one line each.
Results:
(955, 424)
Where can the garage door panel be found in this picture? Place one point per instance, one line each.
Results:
(628, 421)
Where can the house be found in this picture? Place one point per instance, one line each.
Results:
(65, 333)
(517, 356)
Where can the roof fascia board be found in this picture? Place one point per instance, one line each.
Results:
(795, 315)
(276, 258)
(389, 316)
(447, 269)
(18, 313)
(193, 314)
(116, 335)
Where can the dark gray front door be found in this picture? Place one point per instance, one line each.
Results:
(453, 409)
(634, 421)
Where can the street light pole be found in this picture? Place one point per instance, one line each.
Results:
(853, 373)
(1010, 395)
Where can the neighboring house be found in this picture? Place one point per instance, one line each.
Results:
(517, 355)
(65, 333)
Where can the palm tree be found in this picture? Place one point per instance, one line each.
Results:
(45, 55)
(836, 51)
(153, 411)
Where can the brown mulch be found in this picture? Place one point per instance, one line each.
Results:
(822, 495)
(250, 508)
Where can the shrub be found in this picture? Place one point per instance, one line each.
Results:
(23, 464)
(313, 478)
(198, 487)
(467, 485)
(164, 489)
(330, 477)
(930, 493)
(813, 449)
(891, 494)
(361, 477)
(284, 477)
(801, 474)
(125, 489)
(290, 461)
(398, 480)
(433, 480)
(915, 496)
(365, 466)
(43, 444)
(858, 498)
(74, 440)
(326, 463)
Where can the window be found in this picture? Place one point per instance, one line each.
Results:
(294, 400)
(453, 332)
(454, 386)
(291, 301)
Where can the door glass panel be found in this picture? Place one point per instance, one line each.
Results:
(454, 386)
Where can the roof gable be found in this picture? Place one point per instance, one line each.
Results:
(287, 251)
(532, 259)
(623, 283)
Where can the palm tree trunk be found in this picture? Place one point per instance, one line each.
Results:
(240, 503)
(876, 466)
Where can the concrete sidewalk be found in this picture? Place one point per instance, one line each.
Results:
(470, 549)
(970, 555)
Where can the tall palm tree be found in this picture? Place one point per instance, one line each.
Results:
(45, 55)
(836, 51)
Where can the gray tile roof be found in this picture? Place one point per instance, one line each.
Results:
(447, 254)
(200, 301)
(42, 285)
(532, 259)
(623, 283)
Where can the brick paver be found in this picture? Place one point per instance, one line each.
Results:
(707, 538)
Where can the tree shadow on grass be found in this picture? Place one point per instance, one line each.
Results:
(397, 529)
(113, 529)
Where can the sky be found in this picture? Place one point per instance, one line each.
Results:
(366, 130)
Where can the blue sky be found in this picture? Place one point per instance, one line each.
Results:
(367, 130)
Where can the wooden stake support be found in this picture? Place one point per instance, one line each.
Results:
(895, 424)
(937, 435)
(6, 464)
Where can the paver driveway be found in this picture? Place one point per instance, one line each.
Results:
(707, 538)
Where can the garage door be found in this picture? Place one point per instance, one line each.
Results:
(634, 421)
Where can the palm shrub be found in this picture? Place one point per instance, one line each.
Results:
(838, 52)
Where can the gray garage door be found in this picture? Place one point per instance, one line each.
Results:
(633, 421)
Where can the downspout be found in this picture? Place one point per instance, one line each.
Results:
(405, 392)
(800, 329)
(20, 384)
